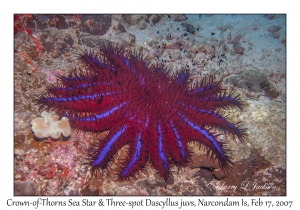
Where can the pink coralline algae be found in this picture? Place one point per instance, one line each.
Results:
(52, 75)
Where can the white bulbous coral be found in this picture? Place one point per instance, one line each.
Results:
(49, 125)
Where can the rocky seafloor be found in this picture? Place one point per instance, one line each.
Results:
(248, 51)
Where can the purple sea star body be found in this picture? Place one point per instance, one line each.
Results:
(144, 106)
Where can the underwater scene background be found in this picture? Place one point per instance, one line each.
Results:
(246, 52)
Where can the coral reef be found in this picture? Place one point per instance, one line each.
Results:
(25, 188)
(274, 30)
(141, 21)
(45, 47)
(95, 24)
(63, 42)
(188, 27)
(255, 81)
